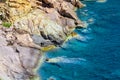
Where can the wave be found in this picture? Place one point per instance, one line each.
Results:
(101, 1)
(51, 78)
(64, 59)
(85, 24)
(84, 39)
(86, 30)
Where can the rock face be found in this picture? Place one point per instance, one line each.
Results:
(37, 25)
(16, 62)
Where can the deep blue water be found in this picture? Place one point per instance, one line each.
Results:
(99, 47)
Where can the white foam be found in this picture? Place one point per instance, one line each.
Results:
(51, 78)
(85, 24)
(86, 30)
(64, 59)
(91, 21)
(101, 1)
(82, 38)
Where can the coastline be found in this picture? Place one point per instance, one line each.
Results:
(34, 31)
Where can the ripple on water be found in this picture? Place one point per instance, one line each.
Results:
(99, 44)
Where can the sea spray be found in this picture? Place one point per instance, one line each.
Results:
(86, 30)
(64, 59)
(101, 1)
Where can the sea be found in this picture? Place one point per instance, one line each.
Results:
(95, 54)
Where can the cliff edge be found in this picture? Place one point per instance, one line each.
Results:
(30, 27)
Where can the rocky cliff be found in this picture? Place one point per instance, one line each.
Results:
(35, 26)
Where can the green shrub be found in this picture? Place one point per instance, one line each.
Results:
(6, 24)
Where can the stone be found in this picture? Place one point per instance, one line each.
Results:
(37, 26)
(16, 62)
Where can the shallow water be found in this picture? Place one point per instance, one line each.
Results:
(98, 45)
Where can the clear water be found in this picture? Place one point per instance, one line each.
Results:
(99, 47)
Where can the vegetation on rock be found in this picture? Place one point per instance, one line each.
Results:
(6, 24)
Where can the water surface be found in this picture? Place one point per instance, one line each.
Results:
(98, 46)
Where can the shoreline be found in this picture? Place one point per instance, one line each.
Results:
(36, 27)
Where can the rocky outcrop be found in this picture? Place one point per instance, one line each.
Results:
(36, 26)
(16, 62)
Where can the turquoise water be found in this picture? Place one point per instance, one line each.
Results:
(96, 54)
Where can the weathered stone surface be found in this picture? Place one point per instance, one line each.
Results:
(16, 62)
(37, 25)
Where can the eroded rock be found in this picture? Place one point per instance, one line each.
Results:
(37, 25)
(16, 62)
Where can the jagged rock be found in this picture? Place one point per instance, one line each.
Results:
(16, 62)
(36, 25)
(41, 41)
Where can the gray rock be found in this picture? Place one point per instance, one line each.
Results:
(16, 62)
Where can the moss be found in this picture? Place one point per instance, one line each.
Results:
(47, 48)
(73, 34)
(34, 78)
(6, 24)
(70, 36)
